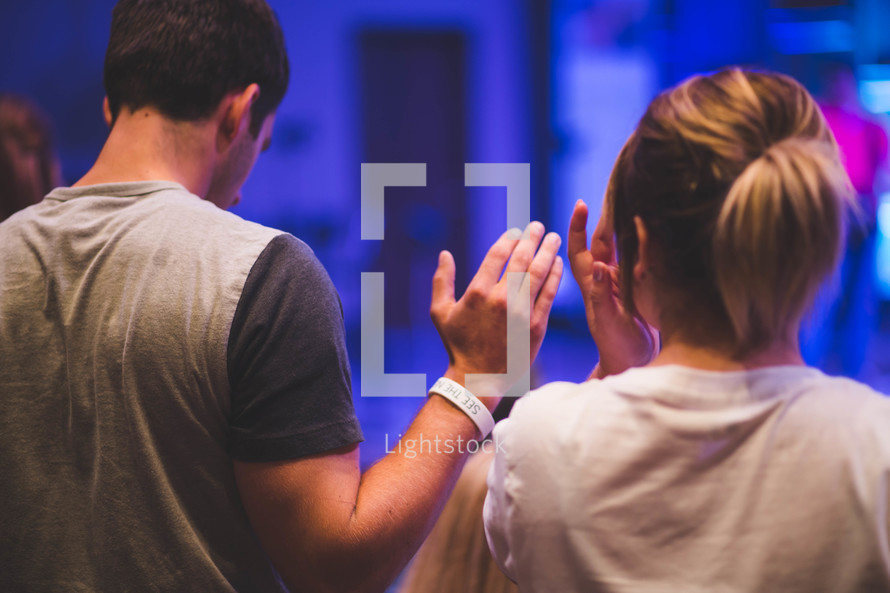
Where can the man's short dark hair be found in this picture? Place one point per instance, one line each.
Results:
(183, 56)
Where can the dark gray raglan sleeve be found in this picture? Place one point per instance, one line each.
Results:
(288, 367)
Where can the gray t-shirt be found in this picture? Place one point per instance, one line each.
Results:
(147, 338)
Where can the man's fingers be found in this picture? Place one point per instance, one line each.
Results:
(548, 292)
(543, 263)
(524, 253)
(443, 284)
(491, 267)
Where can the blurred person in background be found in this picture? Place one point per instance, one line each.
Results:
(455, 557)
(837, 338)
(719, 462)
(29, 166)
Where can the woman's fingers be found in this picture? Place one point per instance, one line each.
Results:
(579, 256)
(602, 242)
(602, 297)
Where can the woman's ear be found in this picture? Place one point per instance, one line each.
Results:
(642, 266)
(106, 112)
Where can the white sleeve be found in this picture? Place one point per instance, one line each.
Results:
(495, 511)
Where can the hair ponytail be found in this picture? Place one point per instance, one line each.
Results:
(738, 181)
(778, 235)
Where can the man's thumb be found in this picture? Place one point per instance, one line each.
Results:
(443, 282)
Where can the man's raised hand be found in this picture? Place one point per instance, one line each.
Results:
(474, 328)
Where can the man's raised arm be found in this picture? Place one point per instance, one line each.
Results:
(326, 526)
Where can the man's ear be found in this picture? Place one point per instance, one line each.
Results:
(106, 111)
(641, 268)
(237, 115)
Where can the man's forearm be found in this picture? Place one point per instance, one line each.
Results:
(328, 528)
(400, 497)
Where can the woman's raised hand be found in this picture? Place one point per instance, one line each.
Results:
(623, 340)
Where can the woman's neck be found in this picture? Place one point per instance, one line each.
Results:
(679, 352)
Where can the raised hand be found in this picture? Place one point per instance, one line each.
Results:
(474, 328)
(623, 340)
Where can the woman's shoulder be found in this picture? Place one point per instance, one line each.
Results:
(558, 412)
(556, 407)
(556, 399)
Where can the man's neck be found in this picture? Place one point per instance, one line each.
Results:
(144, 145)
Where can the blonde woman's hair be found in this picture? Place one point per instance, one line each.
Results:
(738, 181)
(455, 557)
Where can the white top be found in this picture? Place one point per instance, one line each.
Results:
(675, 479)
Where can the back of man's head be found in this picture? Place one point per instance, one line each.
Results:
(183, 56)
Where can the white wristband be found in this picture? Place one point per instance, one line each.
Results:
(468, 403)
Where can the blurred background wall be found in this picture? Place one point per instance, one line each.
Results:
(558, 84)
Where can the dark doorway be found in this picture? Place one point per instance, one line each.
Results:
(413, 102)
